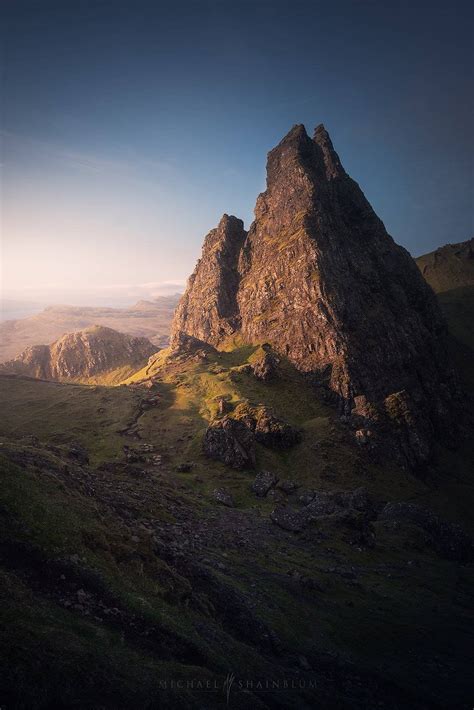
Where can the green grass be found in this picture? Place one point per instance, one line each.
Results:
(60, 413)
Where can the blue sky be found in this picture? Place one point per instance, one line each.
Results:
(129, 128)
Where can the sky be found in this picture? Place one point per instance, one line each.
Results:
(129, 128)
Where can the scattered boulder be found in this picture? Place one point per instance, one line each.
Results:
(331, 502)
(222, 495)
(230, 441)
(264, 368)
(289, 519)
(264, 480)
(274, 432)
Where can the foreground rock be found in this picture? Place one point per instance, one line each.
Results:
(264, 481)
(265, 365)
(354, 509)
(222, 495)
(319, 279)
(230, 441)
(273, 432)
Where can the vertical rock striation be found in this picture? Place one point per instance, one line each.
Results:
(208, 310)
(318, 277)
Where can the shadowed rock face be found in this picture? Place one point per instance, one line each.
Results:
(319, 279)
(208, 309)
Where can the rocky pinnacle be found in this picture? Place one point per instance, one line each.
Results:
(318, 277)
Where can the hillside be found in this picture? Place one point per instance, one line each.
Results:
(449, 267)
(128, 550)
(149, 319)
(95, 354)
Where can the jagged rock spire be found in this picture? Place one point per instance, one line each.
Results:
(318, 277)
(208, 309)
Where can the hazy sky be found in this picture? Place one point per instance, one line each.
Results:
(128, 128)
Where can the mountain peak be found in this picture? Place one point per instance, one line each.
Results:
(319, 279)
(332, 163)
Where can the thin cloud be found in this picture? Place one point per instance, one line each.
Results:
(77, 159)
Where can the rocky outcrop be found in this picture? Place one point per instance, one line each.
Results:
(273, 432)
(319, 279)
(265, 365)
(223, 496)
(208, 310)
(230, 441)
(82, 355)
(448, 539)
(264, 481)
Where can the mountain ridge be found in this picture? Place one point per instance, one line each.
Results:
(150, 319)
(83, 356)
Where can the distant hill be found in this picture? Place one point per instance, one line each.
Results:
(449, 267)
(93, 355)
(149, 319)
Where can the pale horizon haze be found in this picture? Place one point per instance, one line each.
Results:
(128, 130)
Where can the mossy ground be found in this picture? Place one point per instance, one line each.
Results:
(393, 614)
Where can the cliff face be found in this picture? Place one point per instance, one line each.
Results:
(208, 309)
(81, 355)
(319, 278)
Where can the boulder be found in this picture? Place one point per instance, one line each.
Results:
(273, 432)
(289, 519)
(230, 441)
(264, 481)
(222, 495)
(265, 367)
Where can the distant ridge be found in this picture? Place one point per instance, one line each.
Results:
(448, 267)
(150, 319)
(84, 356)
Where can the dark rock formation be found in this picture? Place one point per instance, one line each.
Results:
(264, 367)
(222, 495)
(264, 481)
(82, 355)
(348, 509)
(274, 432)
(230, 441)
(448, 539)
(319, 279)
(288, 519)
(208, 310)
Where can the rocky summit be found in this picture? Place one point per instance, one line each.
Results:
(84, 356)
(318, 278)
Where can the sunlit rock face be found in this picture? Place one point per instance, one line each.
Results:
(319, 279)
(80, 355)
(208, 309)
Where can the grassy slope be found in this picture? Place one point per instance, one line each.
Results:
(404, 622)
(58, 413)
